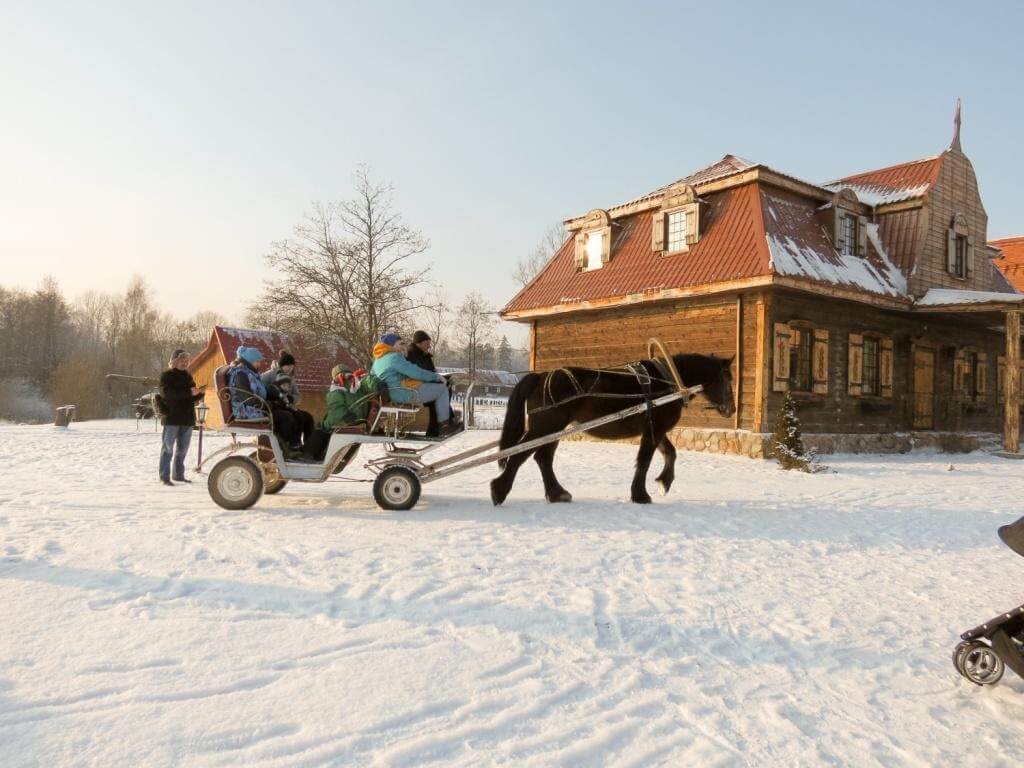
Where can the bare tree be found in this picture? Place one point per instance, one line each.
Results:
(532, 263)
(435, 316)
(345, 272)
(474, 324)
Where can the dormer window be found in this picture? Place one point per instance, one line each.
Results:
(960, 256)
(594, 247)
(848, 227)
(594, 241)
(959, 248)
(677, 231)
(847, 244)
(675, 227)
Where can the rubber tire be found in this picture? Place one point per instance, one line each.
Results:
(395, 476)
(1008, 651)
(269, 487)
(958, 656)
(984, 648)
(236, 464)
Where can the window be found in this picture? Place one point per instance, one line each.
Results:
(801, 347)
(847, 234)
(960, 256)
(970, 381)
(871, 383)
(677, 231)
(594, 248)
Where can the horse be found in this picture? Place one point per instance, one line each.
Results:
(555, 399)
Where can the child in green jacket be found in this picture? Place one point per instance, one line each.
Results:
(348, 397)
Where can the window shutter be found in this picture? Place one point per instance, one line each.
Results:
(819, 362)
(658, 231)
(969, 260)
(606, 246)
(951, 251)
(693, 223)
(581, 250)
(837, 228)
(958, 373)
(1001, 379)
(981, 379)
(885, 362)
(862, 235)
(780, 367)
(855, 364)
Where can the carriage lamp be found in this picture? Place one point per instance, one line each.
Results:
(201, 410)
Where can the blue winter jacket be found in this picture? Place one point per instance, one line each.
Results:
(401, 376)
(243, 381)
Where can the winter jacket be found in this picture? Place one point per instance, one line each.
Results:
(424, 360)
(346, 407)
(245, 381)
(270, 378)
(399, 374)
(179, 402)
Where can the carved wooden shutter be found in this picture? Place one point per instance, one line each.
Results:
(837, 228)
(969, 258)
(581, 250)
(819, 362)
(885, 364)
(981, 376)
(951, 251)
(606, 245)
(855, 364)
(693, 223)
(958, 373)
(780, 358)
(1001, 379)
(862, 235)
(658, 231)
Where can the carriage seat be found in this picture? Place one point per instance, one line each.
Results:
(220, 378)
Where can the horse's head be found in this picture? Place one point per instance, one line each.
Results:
(712, 373)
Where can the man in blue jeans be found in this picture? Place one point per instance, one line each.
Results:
(179, 395)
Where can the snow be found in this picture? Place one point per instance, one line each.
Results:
(949, 296)
(795, 259)
(874, 195)
(752, 617)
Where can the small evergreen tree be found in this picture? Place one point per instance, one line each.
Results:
(787, 442)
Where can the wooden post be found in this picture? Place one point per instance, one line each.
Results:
(761, 365)
(533, 345)
(1011, 419)
(738, 382)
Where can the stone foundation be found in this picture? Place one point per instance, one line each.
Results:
(756, 445)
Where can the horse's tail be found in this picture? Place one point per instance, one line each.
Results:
(515, 413)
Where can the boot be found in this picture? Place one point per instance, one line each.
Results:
(1013, 536)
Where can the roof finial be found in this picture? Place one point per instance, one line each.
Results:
(955, 143)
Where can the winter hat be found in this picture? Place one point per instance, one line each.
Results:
(420, 336)
(285, 358)
(390, 339)
(250, 355)
(339, 370)
(283, 380)
(176, 354)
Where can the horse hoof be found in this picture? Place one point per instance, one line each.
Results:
(496, 495)
(664, 485)
(560, 498)
(645, 499)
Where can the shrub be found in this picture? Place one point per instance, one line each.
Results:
(787, 444)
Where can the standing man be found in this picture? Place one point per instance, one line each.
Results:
(180, 394)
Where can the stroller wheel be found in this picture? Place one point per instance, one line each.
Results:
(981, 665)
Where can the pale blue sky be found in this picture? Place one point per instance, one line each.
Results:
(178, 139)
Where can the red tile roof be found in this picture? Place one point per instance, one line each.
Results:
(1011, 259)
(895, 183)
(313, 364)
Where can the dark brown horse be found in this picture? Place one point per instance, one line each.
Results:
(546, 402)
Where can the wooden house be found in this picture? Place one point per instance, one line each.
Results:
(312, 369)
(871, 299)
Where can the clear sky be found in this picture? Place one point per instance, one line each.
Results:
(177, 140)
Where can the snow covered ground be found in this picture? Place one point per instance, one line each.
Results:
(752, 617)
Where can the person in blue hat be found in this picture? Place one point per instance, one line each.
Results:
(245, 382)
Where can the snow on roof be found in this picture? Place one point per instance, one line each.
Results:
(893, 184)
(952, 297)
(873, 195)
(798, 247)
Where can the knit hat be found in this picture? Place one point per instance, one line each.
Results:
(176, 354)
(420, 336)
(285, 358)
(280, 380)
(250, 355)
(390, 339)
(339, 370)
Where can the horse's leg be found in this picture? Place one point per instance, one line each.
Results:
(638, 492)
(502, 484)
(545, 458)
(668, 473)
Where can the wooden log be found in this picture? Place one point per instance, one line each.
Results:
(1011, 419)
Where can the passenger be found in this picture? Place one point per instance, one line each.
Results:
(284, 365)
(348, 402)
(285, 413)
(408, 382)
(419, 352)
(245, 382)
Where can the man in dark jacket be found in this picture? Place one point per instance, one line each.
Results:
(419, 351)
(179, 394)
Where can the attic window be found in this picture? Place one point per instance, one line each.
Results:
(960, 256)
(847, 234)
(594, 248)
(677, 231)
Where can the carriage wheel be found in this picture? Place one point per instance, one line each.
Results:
(396, 488)
(272, 480)
(981, 665)
(958, 654)
(235, 483)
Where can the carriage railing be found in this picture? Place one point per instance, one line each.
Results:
(246, 399)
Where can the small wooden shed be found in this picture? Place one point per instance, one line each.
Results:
(312, 369)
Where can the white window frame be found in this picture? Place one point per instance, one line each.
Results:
(680, 244)
(594, 247)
